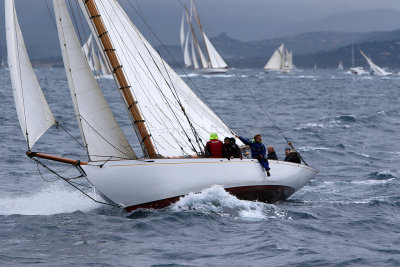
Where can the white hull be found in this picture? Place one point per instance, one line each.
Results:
(211, 71)
(157, 183)
(358, 71)
(277, 70)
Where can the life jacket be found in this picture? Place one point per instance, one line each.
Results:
(214, 148)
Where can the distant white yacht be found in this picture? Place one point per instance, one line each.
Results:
(281, 60)
(210, 61)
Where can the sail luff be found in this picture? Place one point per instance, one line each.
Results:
(34, 114)
(143, 134)
(100, 131)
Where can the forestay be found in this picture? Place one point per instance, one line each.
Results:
(158, 89)
(100, 131)
(33, 111)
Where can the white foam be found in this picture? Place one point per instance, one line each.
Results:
(216, 200)
(372, 182)
(50, 200)
(311, 148)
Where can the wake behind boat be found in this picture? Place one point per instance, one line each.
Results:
(170, 121)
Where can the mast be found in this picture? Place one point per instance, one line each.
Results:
(194, 38)
(352, 54)
(119, 75)
(202, 32)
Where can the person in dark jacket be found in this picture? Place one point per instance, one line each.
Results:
(271, 153)
(292, 156)
(231, 149)
(235, 148)
(258, 150)
(214, 147)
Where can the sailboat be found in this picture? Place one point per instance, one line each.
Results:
(96, 62)
(170, 121)
(374, 69)
(340, 66)
(207, 62)
(281, 60)
(353, 69)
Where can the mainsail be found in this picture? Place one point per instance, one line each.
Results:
(179, 122)
(33, 111)
(277, 59)
(100, 131)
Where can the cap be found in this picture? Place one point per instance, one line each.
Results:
(213, 136)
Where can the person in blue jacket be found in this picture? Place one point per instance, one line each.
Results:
(258, 150)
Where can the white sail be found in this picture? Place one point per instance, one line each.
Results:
(96, 61)
(86, 46)
(374, 68)
(159, 90)
(340, 66)
(186, 56)
(276, 60)
(216, 60)
(33, 111)
(100, 131)
(289, 59)
(203, 60)
(104, 69)
(182, 32)
(195, 62)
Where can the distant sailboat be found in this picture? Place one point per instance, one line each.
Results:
(281, 60)
(375, 70)
(210, 61)
(353, 69)
(340, 66)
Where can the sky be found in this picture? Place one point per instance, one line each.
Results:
(241, 19)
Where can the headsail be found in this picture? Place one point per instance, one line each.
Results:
(216, 60)
(100, 131)
(33, 111)
(165, 100)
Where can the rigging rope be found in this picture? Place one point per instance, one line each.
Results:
(73, 184)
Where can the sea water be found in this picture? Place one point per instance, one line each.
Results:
(345, 126)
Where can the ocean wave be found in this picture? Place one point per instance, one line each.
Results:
(215, 200)
(54, 199)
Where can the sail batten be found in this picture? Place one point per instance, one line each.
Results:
(179, 122)
(100, 131)
(33, 111)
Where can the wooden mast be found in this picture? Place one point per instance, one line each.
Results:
(121, 79)
(202, 32)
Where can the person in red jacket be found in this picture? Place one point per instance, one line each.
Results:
(214, 147)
